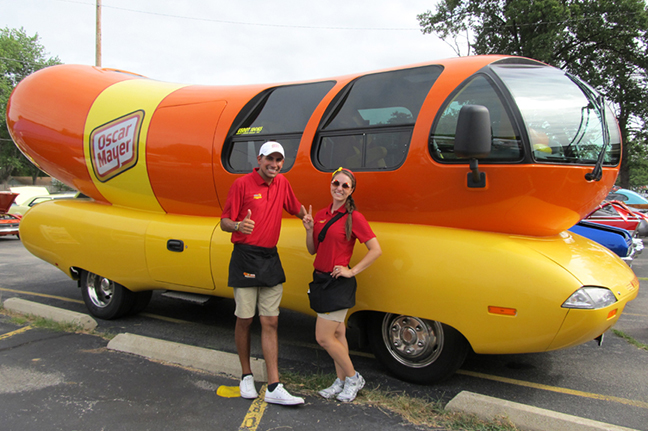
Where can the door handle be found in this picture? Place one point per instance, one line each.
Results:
(175, 245)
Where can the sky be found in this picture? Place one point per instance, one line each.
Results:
(229, 42)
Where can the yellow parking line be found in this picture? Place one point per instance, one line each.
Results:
(42, 295)
(625, 401)
(76, 301)
(255, 413)
(16, 332)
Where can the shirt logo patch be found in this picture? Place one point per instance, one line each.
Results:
(257, 196)
(248, 275)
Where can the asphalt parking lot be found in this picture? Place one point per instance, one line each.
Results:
(53, 380)
(64, 381)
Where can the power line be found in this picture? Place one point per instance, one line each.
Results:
(305, 27)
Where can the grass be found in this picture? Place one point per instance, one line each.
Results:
(629, 339)
(43, 323)
(418, 411)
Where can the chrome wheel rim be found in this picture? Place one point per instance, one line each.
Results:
(414, 342)
(100, 290)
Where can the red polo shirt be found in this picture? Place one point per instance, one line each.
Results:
(335, 249)
(267, 203)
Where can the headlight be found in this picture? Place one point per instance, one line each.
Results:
(590, 298)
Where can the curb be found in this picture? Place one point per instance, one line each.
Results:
(213, 361)
(56, 314)
(525, 417)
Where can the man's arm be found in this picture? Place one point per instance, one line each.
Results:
(244, 226)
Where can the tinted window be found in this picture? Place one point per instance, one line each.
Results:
(280, 115)
(244, 153)
(506, 142)
(370, 126)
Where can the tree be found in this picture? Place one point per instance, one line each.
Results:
(20, 55)
(603, 42)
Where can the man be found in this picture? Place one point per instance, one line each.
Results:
(252, 212)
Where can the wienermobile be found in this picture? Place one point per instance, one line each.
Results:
(470, 171)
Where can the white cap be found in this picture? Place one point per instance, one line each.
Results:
(271, 147)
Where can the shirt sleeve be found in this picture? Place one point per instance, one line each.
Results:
(291, 203)
(361, 228)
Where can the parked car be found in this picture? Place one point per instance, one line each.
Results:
(9, 223)
(628, 197)
(618, 214)
(22, 209)
(618, 240)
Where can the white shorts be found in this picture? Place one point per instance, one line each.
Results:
(336, 316)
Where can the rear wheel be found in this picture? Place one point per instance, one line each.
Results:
(415, 349)
(104, 298)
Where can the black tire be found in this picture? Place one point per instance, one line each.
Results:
(416, 350)
(104, 298)
(142, 299)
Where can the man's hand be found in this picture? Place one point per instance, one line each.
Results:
(247, 224)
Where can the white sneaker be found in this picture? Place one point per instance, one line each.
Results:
(281, 396)
(333, 390)
(248, 391)
(351, 387)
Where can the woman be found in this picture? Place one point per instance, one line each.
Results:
(334, 252)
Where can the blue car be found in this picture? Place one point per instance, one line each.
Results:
(616, 239)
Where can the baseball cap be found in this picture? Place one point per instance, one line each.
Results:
(271, 147)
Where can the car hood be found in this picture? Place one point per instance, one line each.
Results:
(6, 199)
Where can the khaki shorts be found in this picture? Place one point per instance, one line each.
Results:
(267, 299)
(336, 316)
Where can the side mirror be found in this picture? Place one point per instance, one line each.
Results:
(473, 140)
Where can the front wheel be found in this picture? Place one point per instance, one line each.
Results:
(104, 298)
(417, 350)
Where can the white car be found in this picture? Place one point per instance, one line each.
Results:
(26, 205)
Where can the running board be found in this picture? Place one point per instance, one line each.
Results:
(190, 297)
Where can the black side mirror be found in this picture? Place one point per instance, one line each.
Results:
(473, 140)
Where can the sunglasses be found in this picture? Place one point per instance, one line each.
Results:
(336, 183)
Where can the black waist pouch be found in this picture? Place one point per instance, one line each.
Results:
(253, 266)
(327, 293)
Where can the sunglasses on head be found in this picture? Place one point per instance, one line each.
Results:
(336, 183)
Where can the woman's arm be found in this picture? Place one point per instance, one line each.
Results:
(374, 253)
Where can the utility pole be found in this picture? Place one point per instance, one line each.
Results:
(98, 37)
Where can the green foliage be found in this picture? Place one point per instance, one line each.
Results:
(602, 41)
(20, 55)
(638, 163)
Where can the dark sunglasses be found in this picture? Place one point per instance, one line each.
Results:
(336, 183)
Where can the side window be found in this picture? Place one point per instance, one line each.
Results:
(243, 157)
(279, 114)
(370, 126)
(506, 141)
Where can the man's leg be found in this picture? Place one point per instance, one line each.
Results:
(270, 346)
(242, 339)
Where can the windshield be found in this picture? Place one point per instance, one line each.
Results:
(562, 120)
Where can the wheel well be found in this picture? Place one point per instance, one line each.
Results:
(358, 327)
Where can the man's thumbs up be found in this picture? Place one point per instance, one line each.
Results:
(247, 224)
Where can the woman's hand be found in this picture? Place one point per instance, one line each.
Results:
(341, 271)
(308, 218)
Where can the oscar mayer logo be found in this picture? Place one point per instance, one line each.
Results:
(114, 146)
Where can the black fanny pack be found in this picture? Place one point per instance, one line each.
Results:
(253, 266)
(327, 293)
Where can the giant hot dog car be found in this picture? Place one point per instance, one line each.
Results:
(470, 170)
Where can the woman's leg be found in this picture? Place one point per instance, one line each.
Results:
(331, 336)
